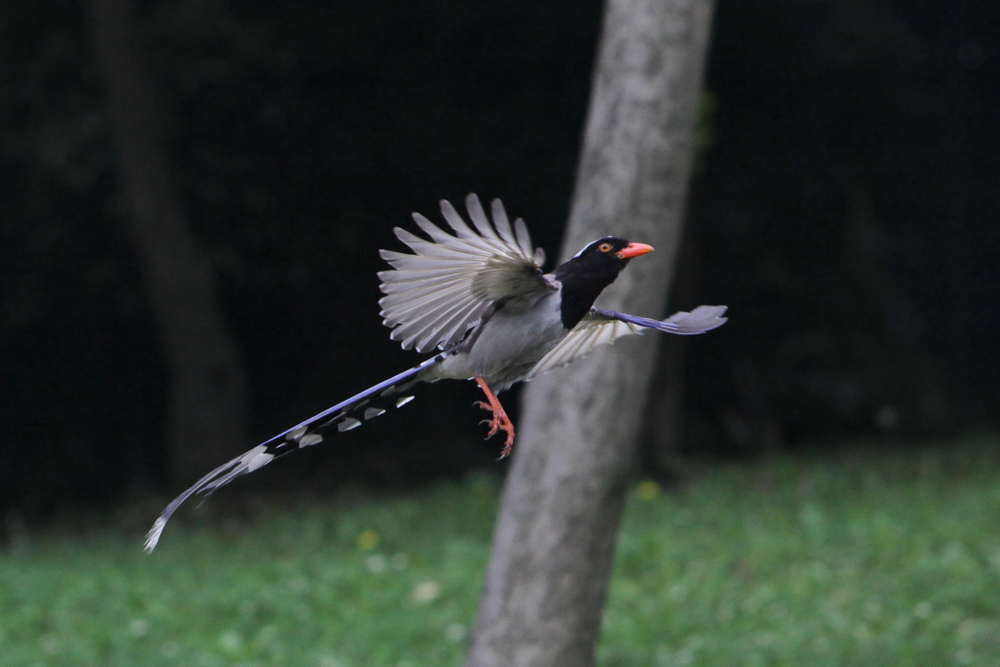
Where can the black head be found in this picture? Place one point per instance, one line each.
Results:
(595, 267)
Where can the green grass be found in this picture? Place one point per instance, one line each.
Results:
(856, 557)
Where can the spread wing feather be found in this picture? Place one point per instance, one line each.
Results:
(600, 327)
(591, 332)
(683, 323)
(434, 296)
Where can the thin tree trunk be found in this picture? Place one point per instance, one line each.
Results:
(206, 414)
(555, 537)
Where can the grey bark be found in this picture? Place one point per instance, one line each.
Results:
(554, 541)
(207, 395)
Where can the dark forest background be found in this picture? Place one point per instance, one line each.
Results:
(844, 208)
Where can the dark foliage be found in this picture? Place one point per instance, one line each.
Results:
(844, 211)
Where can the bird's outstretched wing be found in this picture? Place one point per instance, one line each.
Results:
(600, 326)
(434, 296)
(683, 323)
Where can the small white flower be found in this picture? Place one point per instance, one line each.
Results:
(139, 627)
(455, 632)
(230, 640)
(375, 563)
(426, 591)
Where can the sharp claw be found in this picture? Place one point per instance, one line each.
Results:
(505, 452)
(507, 427)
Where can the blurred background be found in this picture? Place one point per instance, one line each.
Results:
(844, 208)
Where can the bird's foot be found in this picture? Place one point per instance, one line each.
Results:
(499, 421)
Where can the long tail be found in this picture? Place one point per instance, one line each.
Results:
(346, 415)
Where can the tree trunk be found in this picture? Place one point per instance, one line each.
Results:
(554, 541)
(207, 395)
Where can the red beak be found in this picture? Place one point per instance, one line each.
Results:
(633, 250)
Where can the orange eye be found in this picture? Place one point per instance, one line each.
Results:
(605, 247)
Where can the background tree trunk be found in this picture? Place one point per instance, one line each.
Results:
(554, 541)
(207, 396)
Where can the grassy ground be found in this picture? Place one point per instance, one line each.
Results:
(858, 557)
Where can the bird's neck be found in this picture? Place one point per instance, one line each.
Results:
(580, 288)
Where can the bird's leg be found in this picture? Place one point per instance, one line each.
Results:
(500, 421)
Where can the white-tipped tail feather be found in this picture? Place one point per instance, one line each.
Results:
(344, 416)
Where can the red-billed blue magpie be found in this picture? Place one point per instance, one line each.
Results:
(479, 297)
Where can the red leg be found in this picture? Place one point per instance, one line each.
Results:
(500, 421)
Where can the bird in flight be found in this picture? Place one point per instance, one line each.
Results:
(476, 295)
